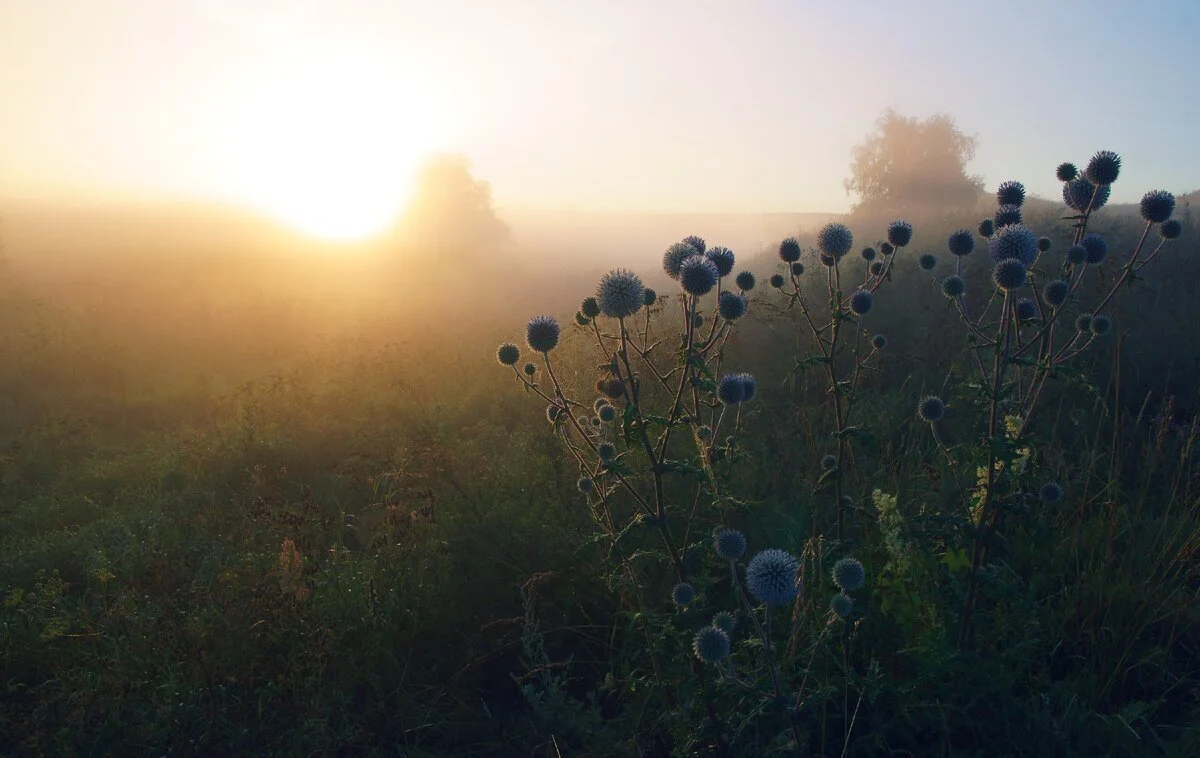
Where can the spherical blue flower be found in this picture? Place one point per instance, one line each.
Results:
(730, 544)
(1170, 229)
(1009, 275)
(606, 451)
(886, 248)
(696, 242)
(827, 260)
(711, 645)
(542, 334)
(1015, 242)
(953, 286)
(697, 321)
(1103, 168)
(508, 354)
(876, 268)
(776, 281)
(581, 318)
(789, 250)
(599, 403)
(771, 577)
(1066, 172)
(1044, 244)
(961, 243)
(1025, 309)
(675, 256)
(848, 574)
(554, 413)
(1101, 324)
(1010, 193)
(586, 485)
(797, 269)
(1055, 292)
(683, 594)
(868, 253)
(722, 258)
(987, 227)
(842, 604)
(1083, 322)
(749, 386)
(835, 239)
(829, 462)
(745, 281)
(590, 307)
(1077, 254)
(730, 389)
(732, 305)
(529, 369)
(725, 621)
(927, 261)
(1095, 247)
(649, 296)
(1051, 492)
(861, 302)
(698, 275)
(931, 409)
(704, 432)
(899, 233)
(607, 413)
(1006, 215)
(1078, 193)
(879, 341)
(595, 422)
(620, 295)
(1157, 206)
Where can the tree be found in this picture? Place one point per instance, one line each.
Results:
(911, 167)
(450, 212)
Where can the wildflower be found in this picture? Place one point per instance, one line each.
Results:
(879, 341)
(698, 275)
(987, 227)
(789, 250)
(1157, 206)
(607, 413)
(1051, 492)
(1078, 194)
(842, 604)
(1009, 275)
(1095, 247)
(683, 593)
(1007, 215)
(886, 248)
(1025, 309)
(927, 262)
(704, 432)
(731, 390)
(542, 334)
(899, 233)
(868, 253)
(861, 302)
(776, 281)
(829, 462)
(745, 281)
(1055, 292)
(827, 260)
(1010, 193)
(606, 451)
(848, 574)
(1014, 241)
(1103, 168)
(797, 269)
(620, 294)
(1170, 229)
(722, 258)
(749, 386)
(771, 577)
(581, 318)
(508, 354)
(877, 268)
(586, 485)
(961, 243)
(590, 307)
(1066, 172)
(649, 296)
(1084, 322)
(675, 256)
(554, 413)
(730, 544)
(711, 645)
(613, 389)
(696, 242)
(1077, 254)
(1044, 244)
(1100, 325)
(732, 305)
(835, 240)
(931, 408)
(725, 621)
(529, 369)
(953, 286)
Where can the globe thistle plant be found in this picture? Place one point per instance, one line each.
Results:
(987, 227)
(879, 341)
(1103, 169)
(829, 462)
(586, 485)
(607, 413)
(1006, 215)
(789, 250)
(1157, 206)
(861, 302)
(1010, 193)
(842, 605)
(797, 269)
(868, 254)
(1025, 309)
(745, 281)
(899, 233)
(582, 319)
(725, 621)
(1081, 195)
(698, 275)
(927, 262)
(606, 451)
(683, 594)
(848, 574)
(776, 281)
(675, 256)
(730, 544)
(730, 389)
(1077, 254)
(732, 305)
(1101, 325)
(877, 268)
(1055, 292)
(749, 386)
(1050, 492)
(1044, 244)
(620, 294)
(508, 354)
(541, 334)
(961, 243)
(931, 409)
(1009, 275)
(771, 577)
(954, 286)
(1015, 242)
(1066, 172)
(1096, 249)
(835, 240)
(722, 258)
(1083, 322)
(590, 307)
(886, 248)
(1170, 229)
(711, 645)
(529, 369)
(649, 296)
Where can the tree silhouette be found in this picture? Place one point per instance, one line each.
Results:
(450, 211)
(911, 167)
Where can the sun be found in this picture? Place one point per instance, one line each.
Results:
(330, 147)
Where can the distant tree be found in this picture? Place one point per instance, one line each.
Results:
(909, 166)
(450, 211)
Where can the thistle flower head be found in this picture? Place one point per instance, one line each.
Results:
(541, 334)
(649, 296)
(953, 286)
(927, 261)
(599, 403)
(829, 462)
(1066, 172)
(849, 574)
(1044, 244)
(1010, 193)
(1055, 292)
(745, 281)
(1051, 492)
(697, 321)
(613, 389)
(620, 294)
(879, 341)
(1103, 169)
(711, 645)
(886, 248)
(730, 389)
(827, 260)
(835, 239)
(722, 258)
(529, 369)
(1157, 206)
(789, 250)
(1014, 242)
(1101, 324)
(876, 268)
(869, 253)
(987, 227)
(749, 386)
(776, 281)
(1083, 322)
(1007, 215)
(581, 318)
(590, 307)
(698, 275)
(606, 413)
(508, 354)
(1077, 194)
(861, 302)
(606, 451)
(899, 233)
(931, 408)
(676, 254)
(1096, 249)
(555, 413)
(771, 577)
(1025, 309)
(725, 621)
(704, 432)
(797, 269)
(586, 485)
(1170, 229)
(1009, 275)
(683, 594)
(730, 544)
(842, 604)
(961, 243)
(1077, 254)
(732, 305)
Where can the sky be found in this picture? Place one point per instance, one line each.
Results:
(584, 105)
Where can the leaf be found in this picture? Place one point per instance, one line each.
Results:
(956, 559)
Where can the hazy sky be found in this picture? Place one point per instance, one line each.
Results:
(587, 104)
